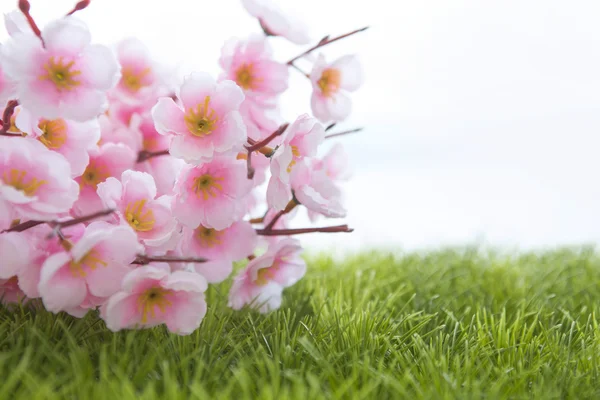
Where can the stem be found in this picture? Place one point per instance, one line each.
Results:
(143, 259)
(299, 70)
(289, 207)
(57, 225)
(79, 6)
(146, 155)
(285, 232)
(259, 145)
(249, 165)
(23, 226)
(7, 117)
(24, 6)
(343, 133)
(330, 126)
(259, 220)
(324, 42)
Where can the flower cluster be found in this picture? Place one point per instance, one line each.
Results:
(122, 192)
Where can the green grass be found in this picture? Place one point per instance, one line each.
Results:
(448, 324)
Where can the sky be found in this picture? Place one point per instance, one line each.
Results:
(481, 117)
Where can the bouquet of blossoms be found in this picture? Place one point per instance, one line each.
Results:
(123, 192)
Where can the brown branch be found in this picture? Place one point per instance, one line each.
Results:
(324, 42)
(146, 155)
(299, 70)
(57, 225)
(259, 145)
(79, 6)
(7, 118)
(343, 133)
(286, 232)
(23, 226)
(249, 165)
(143, 259)
(289, 207)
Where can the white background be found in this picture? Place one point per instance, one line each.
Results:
(482, 116)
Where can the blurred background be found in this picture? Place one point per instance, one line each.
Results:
(482, 117)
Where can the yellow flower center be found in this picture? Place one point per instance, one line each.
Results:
(152, 298)
(18, 179)
(138, 219)
(207, 186)
(54, 133)
(134, 80)
(91, 260)
(94, 174)
(264, 275)
(246, 78)
(202, 121)
(208, 237)
(295, 156)
(61, 73)
(329, 83)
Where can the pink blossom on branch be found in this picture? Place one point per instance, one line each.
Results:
(208, 125)
(152, 295)
(261, 283)
(211, 194)
(274, 22)
(66, 76)
(34, 180)
(134, 199)
(331, 84)
(94, 265)
(250, 64)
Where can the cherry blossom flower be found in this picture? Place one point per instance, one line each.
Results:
(74, 140)
(211, 194)
(250, 64)
(110, 160)
(95, 264)
(138, 73)
(261, 283)
(221, 247)
(301, 140)
(209, 123)
(16, 253)
(152, 295)
(274, 22)
(8, 87)
(64, 77)
(134, 199)
(331, 82)
(317, 192)
(36, 181)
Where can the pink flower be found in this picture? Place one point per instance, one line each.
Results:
(16, 253)
(8, 88)
(334, 164)
(134, 199)
(275, 22)
(16, 22)
(66, 77)
(301, 140)
(221, 247)
(70, 138)
(138, 74)
(115, 131)
(94, 265)
(211, 194)
(317, 192)
(261, 283)
(251, 66)
(110, 160)
(36, 181)
(152, 295)
(329, 101)
(209, 123)
(258, 123)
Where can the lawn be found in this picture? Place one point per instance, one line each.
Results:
(446, 324)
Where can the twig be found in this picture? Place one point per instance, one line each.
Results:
(289, 207)
(146, 155)
(57, 225)
(143, 259)
(24, 6)
(286, 232)
(259, 145)
(324, 42)
(7, 118)
(343, 133)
